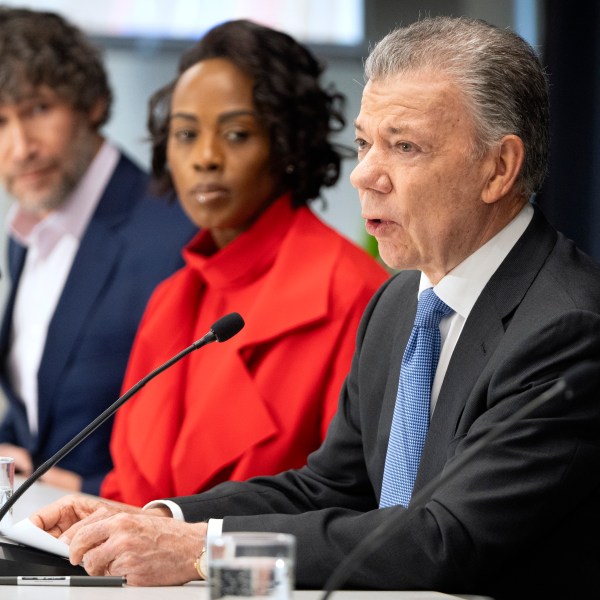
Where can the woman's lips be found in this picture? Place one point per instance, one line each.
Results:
(208, 194)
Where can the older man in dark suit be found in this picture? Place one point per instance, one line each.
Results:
(452, 140)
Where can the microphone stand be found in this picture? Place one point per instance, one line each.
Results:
(99, 420)
(18, 560)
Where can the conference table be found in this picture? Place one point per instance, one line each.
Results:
(41, 494)
(191, 591)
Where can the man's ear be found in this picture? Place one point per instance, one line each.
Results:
(506, 162)
(97, 113)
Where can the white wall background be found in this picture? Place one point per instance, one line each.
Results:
(136, 71)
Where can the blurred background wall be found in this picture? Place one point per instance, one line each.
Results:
(566, 34)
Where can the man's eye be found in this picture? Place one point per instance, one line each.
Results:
(40, 108)
(360, 144)
(405, 146)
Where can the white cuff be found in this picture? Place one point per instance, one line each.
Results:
(215, 528)
(175, 509)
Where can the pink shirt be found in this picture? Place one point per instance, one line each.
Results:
(52, 243)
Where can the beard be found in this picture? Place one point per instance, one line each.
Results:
(70, 170)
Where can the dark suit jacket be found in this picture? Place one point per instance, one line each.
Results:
(523, 518)
(132, 242)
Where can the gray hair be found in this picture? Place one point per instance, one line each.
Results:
(499, 73)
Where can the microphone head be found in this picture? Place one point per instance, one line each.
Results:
(226, 327)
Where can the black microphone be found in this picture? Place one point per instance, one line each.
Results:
(580, 379)
(223, 329)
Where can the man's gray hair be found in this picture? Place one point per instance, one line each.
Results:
(499, 73)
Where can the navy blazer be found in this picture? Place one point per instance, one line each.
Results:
(522, 520)
(132, 242)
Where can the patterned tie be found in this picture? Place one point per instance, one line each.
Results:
(411, 413)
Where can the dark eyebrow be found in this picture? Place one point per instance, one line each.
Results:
(396, 130)
(223, 118)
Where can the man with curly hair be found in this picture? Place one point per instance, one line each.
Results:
(83, 251)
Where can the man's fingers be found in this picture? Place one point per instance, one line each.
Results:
(100, 514)
(88, 547)
(55, 518)
(60, 516)
(98, 540)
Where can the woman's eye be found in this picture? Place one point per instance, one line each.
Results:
(237, 136)
(184, 135)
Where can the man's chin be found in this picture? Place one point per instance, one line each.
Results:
(394, 257)
(38, 204)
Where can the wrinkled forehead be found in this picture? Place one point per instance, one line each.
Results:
(419, 95)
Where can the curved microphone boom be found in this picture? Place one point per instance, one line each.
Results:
(223, 329)
(577, 380)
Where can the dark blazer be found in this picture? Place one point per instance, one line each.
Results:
(523, 518)
(132, 242)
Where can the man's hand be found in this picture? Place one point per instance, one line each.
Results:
(67, 515)
(109, 538)
(149, 550)
(23, 462)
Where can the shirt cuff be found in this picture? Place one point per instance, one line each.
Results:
(175, 509)
(215, 528)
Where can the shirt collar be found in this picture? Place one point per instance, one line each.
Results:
(74, 215)
(461, 287)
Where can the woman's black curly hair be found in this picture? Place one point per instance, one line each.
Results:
(296, 111)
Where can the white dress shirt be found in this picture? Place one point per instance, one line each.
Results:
(52, 243)
(461, 287)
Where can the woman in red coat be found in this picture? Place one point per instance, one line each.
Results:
(242, 134)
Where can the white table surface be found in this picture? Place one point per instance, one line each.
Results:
(196, 591)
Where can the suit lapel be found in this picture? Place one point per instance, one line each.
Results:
(97, 257)
(481, 335)
(16, 261)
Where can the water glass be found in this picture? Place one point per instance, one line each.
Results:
(7, 485)
(252, 565)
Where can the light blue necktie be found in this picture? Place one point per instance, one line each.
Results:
(410, 422)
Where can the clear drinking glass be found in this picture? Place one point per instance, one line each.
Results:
(7, 485)
(253, 565)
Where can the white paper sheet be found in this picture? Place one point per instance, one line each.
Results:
(25, 532)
